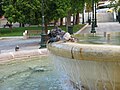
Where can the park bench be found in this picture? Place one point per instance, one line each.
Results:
(31, 33)
(7, 24)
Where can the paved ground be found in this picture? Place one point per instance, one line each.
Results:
(104, 27)
(8, 44)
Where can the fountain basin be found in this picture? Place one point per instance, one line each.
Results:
(95, 67)
(86, 51)
(6, 57)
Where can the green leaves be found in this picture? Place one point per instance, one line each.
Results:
(30, 11)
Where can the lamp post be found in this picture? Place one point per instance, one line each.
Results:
(93, 20)
(1, 12)
(83, 13)
(95, 15)
(43, 34)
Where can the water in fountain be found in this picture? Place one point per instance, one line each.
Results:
(32, 74)
(111, 38)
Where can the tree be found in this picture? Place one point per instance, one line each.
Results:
(29, 11)
(22, 11)
(76, 7)
(54, 9)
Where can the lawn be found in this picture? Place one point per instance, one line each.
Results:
(18, 31)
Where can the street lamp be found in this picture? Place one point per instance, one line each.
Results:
(1, 12)
(93, 22)
(95, 15)
(83, 13)
(43, 34)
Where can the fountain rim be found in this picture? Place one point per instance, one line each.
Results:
(10, 56)
(89, 52)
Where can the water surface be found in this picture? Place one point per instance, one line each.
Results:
(32, 74)
(112, 38)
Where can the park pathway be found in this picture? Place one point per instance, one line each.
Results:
(103, 27)
(8, 44)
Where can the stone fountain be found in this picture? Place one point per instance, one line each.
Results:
(92, 66)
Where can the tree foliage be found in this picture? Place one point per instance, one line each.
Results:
(30, 11)
(22, 11)
(55, 9)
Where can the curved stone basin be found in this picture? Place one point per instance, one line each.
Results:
(86, 51)
(90, 66)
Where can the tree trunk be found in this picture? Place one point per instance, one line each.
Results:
(69, 18)
(74, 20)
(83, 12)
(23, 25)
(77, 18)
(88, 16)
(61, 21)
(83, 18)
(20, 25)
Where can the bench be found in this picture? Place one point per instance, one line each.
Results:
(9, 25)
(31, 33)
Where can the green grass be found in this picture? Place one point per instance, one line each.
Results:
(18, 31)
